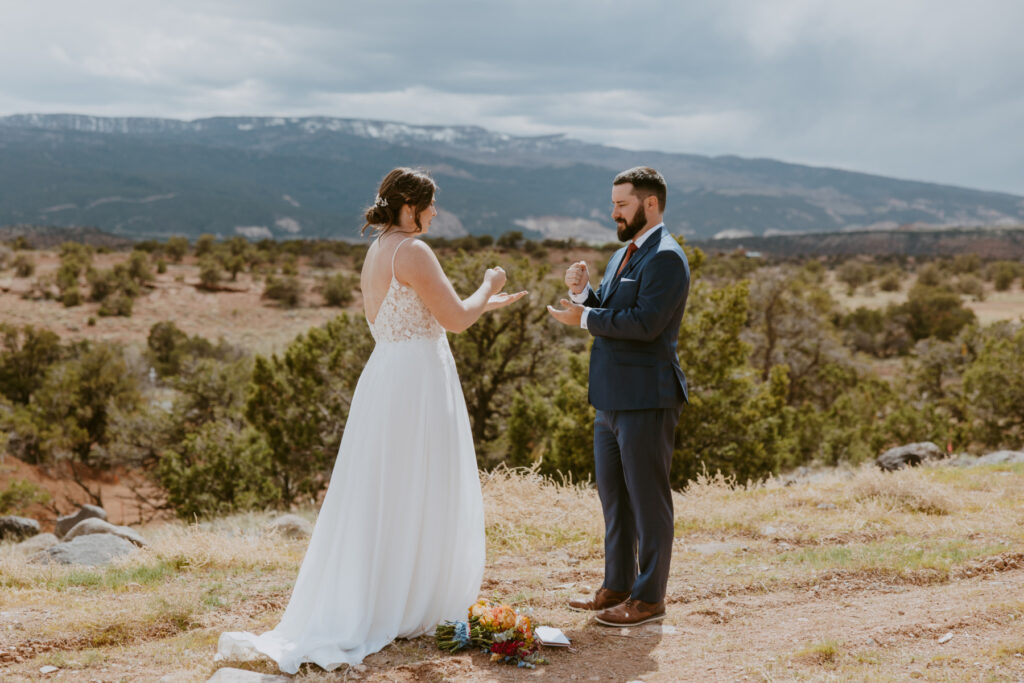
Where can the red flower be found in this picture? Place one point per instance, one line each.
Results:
(508, 648)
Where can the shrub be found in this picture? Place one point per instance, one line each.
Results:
(290, 266)
(935, 312)
(995, 383)
(118, 303)
(854, 274)
(891, 281)
(71, 296)
(176, 248)
(930, 275)
(68, 414)
(138, 268)
(286, 291)
(512, 239)
(299, 402)
(337, 290)
(25, 357)
(1002, 274)
(209, 273)
(964, 264)
(508, 348)
(19, 495)
(972, 286)
(204, 245)
(217, 470)
(24, 266)
(169, 349)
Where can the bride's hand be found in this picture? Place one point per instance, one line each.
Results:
(502, 299)
(495, 278)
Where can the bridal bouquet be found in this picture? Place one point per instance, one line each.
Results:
(496, 628)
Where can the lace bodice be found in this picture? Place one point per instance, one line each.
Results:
(403, 316)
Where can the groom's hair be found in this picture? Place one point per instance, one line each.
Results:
(645, 181)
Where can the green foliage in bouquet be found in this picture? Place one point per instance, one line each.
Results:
(507, 634)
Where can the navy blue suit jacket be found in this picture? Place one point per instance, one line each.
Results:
(635, 321)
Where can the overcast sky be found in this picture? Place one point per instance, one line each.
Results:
(922, 89)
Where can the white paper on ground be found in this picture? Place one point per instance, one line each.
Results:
(548, 635)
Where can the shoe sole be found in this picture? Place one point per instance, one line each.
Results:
(656, 617)
(593, 609)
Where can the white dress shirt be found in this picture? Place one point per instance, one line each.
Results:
(582, 296)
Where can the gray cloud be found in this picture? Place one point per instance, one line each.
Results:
(914, 89)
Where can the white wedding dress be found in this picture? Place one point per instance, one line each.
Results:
(399, 541)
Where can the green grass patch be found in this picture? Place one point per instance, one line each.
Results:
(113, 578)
(973, 478)
(825, 653)
(897, 554)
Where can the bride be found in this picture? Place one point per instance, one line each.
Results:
(399, 541)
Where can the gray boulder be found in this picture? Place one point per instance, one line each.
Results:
(912, 454)
(13, 528)
(95, 525)
(92, 550)
(229, 675)
(291, 526)
(37, 543)
(1001, 458)
(67, 522)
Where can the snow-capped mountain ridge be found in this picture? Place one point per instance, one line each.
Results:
(473, 137)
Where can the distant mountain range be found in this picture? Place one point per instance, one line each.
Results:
(312, 177)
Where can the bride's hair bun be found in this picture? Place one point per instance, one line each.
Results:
(400, 187)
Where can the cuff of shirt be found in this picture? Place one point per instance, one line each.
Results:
(583, 317)
(581, 297)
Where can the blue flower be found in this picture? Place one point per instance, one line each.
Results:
(462, 633)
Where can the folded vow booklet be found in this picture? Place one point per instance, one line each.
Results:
(550, 636)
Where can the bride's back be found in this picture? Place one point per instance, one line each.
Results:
(378, 269)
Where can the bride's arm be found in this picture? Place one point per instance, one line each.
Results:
(420, 268)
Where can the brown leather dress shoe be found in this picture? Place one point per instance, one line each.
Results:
(603, 599)
(632, 613)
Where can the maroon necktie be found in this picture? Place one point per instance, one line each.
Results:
(629, 252)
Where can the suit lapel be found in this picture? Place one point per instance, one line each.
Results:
(609, 271)
(635, 263)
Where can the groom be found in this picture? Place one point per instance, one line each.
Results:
(639, 390)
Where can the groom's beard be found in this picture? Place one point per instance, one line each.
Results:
(628, 231)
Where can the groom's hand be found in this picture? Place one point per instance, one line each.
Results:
(569, 314)
(577, 277)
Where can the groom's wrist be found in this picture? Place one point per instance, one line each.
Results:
(579, 298)
(583, 317)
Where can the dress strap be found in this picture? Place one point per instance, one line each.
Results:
(393, 255)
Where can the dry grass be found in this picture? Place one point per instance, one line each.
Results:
(782, 559)
(527, 513)
(820, 654)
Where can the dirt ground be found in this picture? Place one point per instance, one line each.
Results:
(238, 316)
(851, 576)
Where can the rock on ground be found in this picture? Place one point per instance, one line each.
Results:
(13, 528)
(67, 522)
(229, 675)
(37, 543)
(291, 526)
(1001, 458)
(95, 525)
(92, 550)
(911, 454)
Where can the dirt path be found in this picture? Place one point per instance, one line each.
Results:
(879, 632)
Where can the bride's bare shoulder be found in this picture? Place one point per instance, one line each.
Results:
(417, 253)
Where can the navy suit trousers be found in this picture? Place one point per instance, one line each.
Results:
(632, 459)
